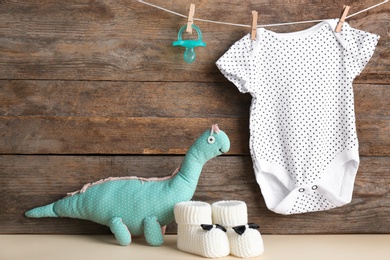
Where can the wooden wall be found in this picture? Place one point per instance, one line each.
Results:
(93, 88)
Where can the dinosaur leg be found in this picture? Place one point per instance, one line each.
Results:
(152, 231)
(120, 230)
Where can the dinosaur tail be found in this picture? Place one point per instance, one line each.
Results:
(42, 212)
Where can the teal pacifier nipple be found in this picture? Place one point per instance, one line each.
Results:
(189, 53)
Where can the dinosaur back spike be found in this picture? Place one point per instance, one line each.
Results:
(214, 129)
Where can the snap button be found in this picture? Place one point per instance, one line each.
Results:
(301, 190)
(314, 187)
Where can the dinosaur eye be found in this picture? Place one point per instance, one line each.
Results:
(211, 139)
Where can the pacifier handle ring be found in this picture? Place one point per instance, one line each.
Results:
(196, 28)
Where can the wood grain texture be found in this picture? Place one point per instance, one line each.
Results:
(91, 89)
(30, 181)
(122, 99)
(106, 135)
(125, 40)
(152, 99)
(121, 118)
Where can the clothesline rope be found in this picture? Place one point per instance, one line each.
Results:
(262, 25)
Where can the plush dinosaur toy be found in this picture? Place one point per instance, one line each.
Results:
(133, 205)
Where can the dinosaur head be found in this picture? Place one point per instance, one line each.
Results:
(212, 143)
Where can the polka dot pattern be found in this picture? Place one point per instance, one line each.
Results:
(302, 114)
(136, 206)
(310, 202)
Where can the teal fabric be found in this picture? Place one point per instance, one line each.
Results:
(138, 206)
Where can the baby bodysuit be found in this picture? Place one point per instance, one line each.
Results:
(303, 140)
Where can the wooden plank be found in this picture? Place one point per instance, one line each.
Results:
(372, 101)
(152, 99)
(104, 79)
(29, 181)
(125, 40)
(84, 107)
(121, 99)
(112, 135)
(373, 136)
(124, 135)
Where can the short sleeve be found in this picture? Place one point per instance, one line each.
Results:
(237, 64)
(360, 48)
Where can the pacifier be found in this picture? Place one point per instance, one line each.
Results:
(189, 53)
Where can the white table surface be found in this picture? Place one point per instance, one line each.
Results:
(278, 247)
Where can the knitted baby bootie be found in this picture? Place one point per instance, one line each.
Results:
(245, 241)
(195, 232)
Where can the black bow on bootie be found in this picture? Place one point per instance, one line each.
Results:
(241, 229)
(208, 227)
(238, 229)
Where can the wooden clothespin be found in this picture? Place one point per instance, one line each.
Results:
(342, 18)
(190, 19)
(254, 25)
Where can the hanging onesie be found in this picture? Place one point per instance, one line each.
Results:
(303, 139)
